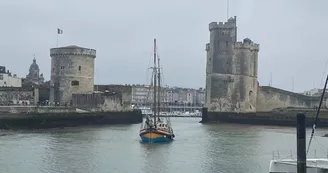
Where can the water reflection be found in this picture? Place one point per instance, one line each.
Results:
(155, 157)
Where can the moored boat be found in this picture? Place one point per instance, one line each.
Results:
(313, 165)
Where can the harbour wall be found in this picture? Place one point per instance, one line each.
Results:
(274, 107)
(51, 117)
(283, 117)
(270, 98)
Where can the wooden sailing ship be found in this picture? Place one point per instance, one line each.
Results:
(156, 129)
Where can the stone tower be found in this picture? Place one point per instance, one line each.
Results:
(231, 70)
(72, 71)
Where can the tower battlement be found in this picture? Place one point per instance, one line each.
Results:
(247, 44)
(73, 50)
(230, 24)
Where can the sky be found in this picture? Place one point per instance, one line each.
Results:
(292, 36)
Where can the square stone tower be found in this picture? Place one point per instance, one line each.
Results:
(231, 70)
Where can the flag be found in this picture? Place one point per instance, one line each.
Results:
(59, 31)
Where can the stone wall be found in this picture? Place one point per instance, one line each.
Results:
(232, 93)
(124, 90)
(99, 101)
(35, 109)
(16, 96)
(112, 103)
(269, 98)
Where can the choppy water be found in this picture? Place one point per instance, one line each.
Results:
(197, 148)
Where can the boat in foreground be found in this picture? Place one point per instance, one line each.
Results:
(156, 129)
(315, 165)
(318, 165)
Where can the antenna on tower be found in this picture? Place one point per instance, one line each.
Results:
(227, 9)
(270, 83)
(293, 84)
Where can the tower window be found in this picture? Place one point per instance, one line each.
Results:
(226, 43)
(79, 68)
(75, 83)
(34, 75)
(1, 77)
(62, 67)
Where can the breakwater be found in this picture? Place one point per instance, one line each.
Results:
(180, 116)
(283, 117)
(24, 118)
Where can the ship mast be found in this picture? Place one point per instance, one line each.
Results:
(155, 82)
(159, 87)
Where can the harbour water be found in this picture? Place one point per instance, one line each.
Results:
(197, 148)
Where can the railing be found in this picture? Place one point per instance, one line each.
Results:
(280, 155)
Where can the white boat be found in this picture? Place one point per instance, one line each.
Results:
(317, 165)
(313, 165)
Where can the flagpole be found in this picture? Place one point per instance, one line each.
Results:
(57, 35)
(227, 9)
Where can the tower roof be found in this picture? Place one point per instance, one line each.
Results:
(72, 47)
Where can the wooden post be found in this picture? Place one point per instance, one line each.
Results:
(301, 144)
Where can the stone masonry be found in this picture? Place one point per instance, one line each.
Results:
(72, 71)
(231, 70)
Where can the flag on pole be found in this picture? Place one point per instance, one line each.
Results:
(59, 31)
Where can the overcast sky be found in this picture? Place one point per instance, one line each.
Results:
(292, 36)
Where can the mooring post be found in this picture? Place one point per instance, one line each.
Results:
(301, 144)
(204, 115)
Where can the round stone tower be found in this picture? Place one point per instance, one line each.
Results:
(231, 71)
(72, 71)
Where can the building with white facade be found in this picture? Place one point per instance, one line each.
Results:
(143, 95)
(9, 80)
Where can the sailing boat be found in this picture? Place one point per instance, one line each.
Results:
(156, 129)
(313, 165)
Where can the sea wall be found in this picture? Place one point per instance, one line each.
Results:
(35, 109)
(270, 98)
(33, 120)
(275, 118)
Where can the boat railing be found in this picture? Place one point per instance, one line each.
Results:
(280, 154)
